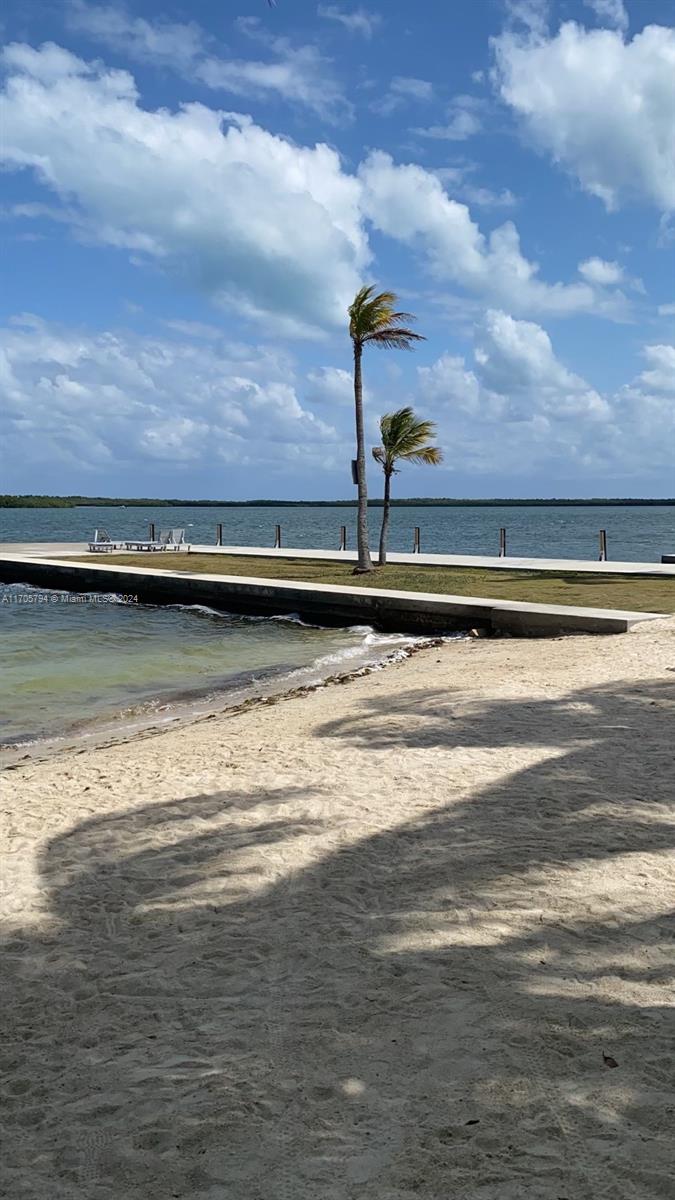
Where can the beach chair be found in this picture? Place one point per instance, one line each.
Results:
(102, 542)
(175, 539)
(145, 544)
(169, 539)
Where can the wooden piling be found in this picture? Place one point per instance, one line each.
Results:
(603, 546)
(502, 543)
(416, 540)
(277, 537)
(343, 537)
(219, 535)
(152, 532)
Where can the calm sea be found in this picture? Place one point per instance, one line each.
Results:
(633, 534)
(70, 665)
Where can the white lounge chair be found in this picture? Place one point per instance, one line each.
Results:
(103, 542)
(174, 539)
(169, 539)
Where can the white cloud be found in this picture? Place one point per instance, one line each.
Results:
(330, 386)
(610, 12)
(249, 218)
(666, 310)
(515, 360)
(601, 107)
(518, 410)
(596, 270)
(165, 43)
(112, 406)
(93, 399)
(661, 374)
(410, 204)
(298, 74)
(403, 90)
(273, 230)
(457, 182)
(355, 20)
(533, 14)
(462, 121)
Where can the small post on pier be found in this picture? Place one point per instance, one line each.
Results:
(277, 537)
(152, 532)
(502, 543)
(343, 537)
(416, 540)
(603, 546)
(219, 535)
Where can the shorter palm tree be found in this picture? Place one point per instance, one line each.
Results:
(403, 437)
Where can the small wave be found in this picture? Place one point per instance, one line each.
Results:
(202, 609)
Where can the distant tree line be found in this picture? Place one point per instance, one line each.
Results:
(7, 501)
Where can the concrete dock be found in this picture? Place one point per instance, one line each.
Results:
(56, 549)
(413, 612)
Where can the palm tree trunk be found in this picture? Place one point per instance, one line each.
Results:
(364, 559)
(384, 532)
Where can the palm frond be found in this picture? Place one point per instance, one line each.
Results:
(373, 317)
(392, 338)
(430, 456)
(406, 437)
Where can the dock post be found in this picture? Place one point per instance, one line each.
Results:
(343, 537)
(152, 532)
(219, 535)
(603, 545)
(277, 537)
(502, 543)
(416, 540)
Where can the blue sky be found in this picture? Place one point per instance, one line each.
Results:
(193, 193)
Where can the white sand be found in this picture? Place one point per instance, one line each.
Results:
(372, 942)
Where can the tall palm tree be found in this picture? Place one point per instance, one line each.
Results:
(403, 437)
(373, 320)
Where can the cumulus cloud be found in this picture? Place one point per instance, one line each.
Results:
(269, 228)
(660, 375)
(355, 20)
(597, 270)
(601, 107)
(191, 405)
(516, 408)
(249, 218)
(298, 74)
(409, 203)
(90, 400)
(329, 386)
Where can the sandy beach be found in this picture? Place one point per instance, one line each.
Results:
(405, 938)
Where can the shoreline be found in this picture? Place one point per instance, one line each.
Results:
(406, 937)
(183, 711)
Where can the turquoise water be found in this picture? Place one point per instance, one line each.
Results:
(70, 663)
(633, 534)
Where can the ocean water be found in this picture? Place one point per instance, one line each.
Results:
(633, 534)
(72, 665)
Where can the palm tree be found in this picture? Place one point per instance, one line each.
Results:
(403, 437)
(373, 320)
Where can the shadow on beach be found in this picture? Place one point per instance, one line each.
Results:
(432, 1011)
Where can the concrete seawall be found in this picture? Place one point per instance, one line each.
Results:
(411, 612)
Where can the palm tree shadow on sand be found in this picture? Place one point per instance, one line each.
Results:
(396, 1020)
